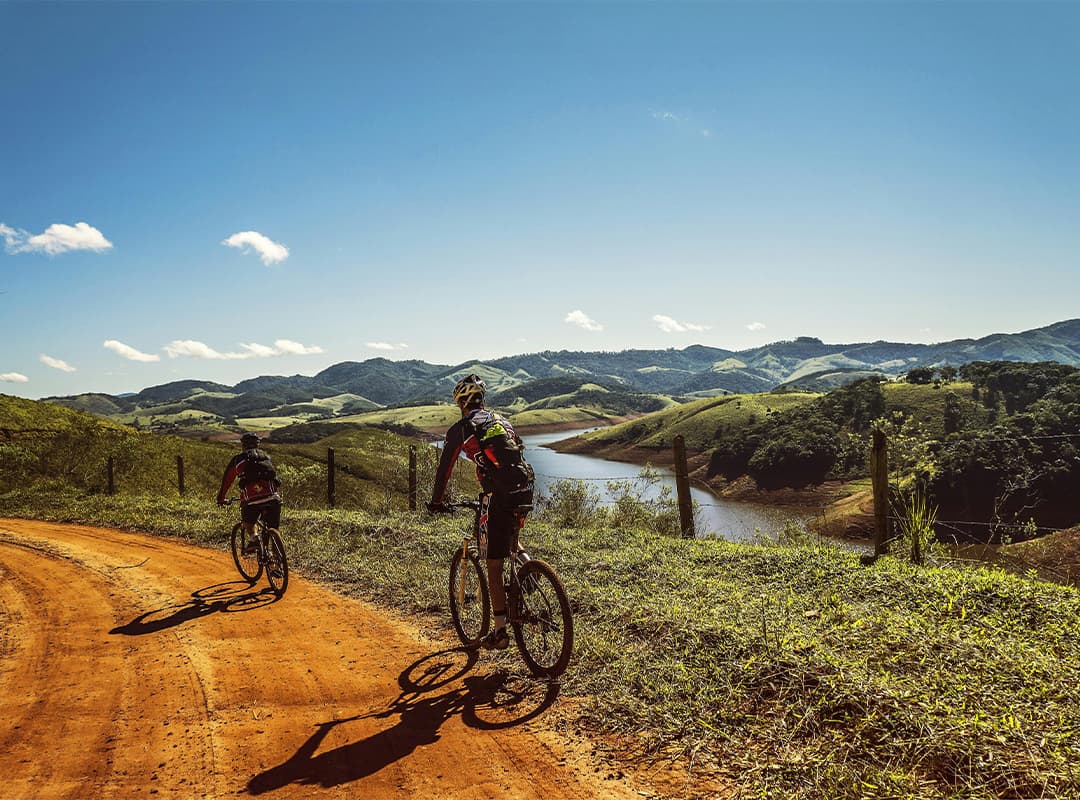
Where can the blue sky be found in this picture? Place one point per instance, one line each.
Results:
(219, 191)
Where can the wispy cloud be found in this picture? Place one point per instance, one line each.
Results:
(269, 251)
(57, 238)
(582, 320)
(387, 346)
(12, 377)
(56, 363)
(287, 347)
(683, 121)
(755, 326)
(669, 325)
(128, 352)
(189, 348)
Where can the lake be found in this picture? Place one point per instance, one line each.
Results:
(726, 519)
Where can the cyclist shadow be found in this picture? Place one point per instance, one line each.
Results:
(482, 702)
(221, 598)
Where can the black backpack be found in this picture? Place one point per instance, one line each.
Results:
(501, 456)
(258, 467)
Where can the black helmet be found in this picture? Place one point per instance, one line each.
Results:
(469, 390)
(249, 441)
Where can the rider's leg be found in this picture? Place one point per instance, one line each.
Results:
(248, 517)
(501, 531)
(497, 591)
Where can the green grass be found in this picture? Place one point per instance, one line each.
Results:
(699, 420)
(926, 403)
(787, 671)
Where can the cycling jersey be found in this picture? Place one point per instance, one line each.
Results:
(462, 438)
(254, 489)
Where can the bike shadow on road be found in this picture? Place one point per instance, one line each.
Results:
(220, 598)
(434, 689)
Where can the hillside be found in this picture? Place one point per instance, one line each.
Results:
(993, 445)
(805, 363)
(43, 445)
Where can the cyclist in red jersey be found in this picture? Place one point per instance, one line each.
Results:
(260, 489)
(489, 440)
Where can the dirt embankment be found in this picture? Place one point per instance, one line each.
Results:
(133, 666)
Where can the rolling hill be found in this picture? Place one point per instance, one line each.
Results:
(632, 380)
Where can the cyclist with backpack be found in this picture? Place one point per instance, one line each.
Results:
(260, 489)
(506, 478)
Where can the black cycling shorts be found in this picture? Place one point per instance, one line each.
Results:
(270, 511)
(504, 521)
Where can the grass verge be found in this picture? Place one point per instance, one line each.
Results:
(781, 671)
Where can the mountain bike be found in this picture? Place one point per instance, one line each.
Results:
(537, 608)
(267, 555)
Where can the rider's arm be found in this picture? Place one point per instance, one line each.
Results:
(232, 470)
(450, 452)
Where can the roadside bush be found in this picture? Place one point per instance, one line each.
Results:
(570, 504)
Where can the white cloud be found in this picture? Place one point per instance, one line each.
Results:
(387, 346)
(11, 236)
(190, 348)
(756, 326)
(130, 353)
(581, 319)
(56, 363)
(269, 251)
(57, 238)
(12, 377)
(291, 348)
(669, 325)
(667, 116)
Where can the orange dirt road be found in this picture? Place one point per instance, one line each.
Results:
(134, 666)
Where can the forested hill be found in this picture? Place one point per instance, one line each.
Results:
(695, 371)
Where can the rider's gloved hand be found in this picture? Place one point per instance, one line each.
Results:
(437, 508)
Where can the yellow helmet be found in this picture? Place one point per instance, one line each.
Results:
(468, 390)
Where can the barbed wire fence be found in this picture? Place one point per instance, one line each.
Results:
(886, 523)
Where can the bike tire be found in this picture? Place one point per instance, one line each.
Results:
(249, 566)
(542, 622)
(470, 602)
(277, 565)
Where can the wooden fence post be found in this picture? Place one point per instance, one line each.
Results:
(180, 473)
(682, 488)
(412, 477)
(112, 484)
(879, 474)
(330, 476)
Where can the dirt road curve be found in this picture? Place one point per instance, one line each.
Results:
(133, 666)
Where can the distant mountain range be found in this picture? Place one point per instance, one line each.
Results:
(696, 371)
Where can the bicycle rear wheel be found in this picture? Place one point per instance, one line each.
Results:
(470, 606)
(542, 622)
(277, 566)
(248, 565)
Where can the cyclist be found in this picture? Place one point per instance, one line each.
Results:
(260, 489)
(506, 478)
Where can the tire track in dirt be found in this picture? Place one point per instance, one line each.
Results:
(138, 665)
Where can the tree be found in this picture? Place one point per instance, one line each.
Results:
(920, 375)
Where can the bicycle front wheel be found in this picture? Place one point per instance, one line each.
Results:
(248, 565)
(543, 625)
(470, 606)
(277, 566)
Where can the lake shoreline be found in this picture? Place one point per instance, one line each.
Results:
(743, 489)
